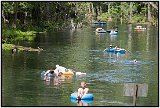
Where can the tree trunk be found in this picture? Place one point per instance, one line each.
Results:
(3, 16)
(92, 8)
(72, 24)
(121, 13)
(96, 11)
(15, 14)
(149, 13)
(25, 18)
(36, 14)
(130, 12)
(97, 8)
(108, 7)
(89, 8)
(47, 11)
(121, 18)
(100, 9)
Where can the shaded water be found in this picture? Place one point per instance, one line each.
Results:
(82, 50)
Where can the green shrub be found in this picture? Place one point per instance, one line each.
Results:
(138, 18)
(10, 35)
(104, 16)
(7, 46)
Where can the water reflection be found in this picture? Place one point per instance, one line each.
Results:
(147, 37)
(80, 103)
(58, 80)
(85, 102)
(130, 37)
(113, 37)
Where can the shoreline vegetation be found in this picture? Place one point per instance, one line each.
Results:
(22, 20)
(12, 35)
(16, 48)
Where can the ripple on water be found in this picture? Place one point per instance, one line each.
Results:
(115, 102)
(117, 75)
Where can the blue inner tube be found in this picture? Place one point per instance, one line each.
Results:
(83, 101)
(113, 33)
(121, 51)
(88, 96)
(109, 31)
(111, 50)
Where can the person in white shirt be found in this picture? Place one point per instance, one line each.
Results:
(59, 70)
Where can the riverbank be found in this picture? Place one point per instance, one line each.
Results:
(19, 48)
(11, 35)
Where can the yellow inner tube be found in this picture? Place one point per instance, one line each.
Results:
(68, 73)
(139, 28)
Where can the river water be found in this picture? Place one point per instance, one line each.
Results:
(82, 51)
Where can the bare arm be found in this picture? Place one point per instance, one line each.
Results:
(86, 90)
(79, 92)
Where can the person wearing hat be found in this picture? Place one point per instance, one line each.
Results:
(110, 46)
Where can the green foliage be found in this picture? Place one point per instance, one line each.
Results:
(126, 12)
(44, 16)
(8, 7)
(138, 18)
(104, 16)
(10, 35)
(7, 46)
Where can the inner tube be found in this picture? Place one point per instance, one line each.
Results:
(139, 28)
(83, 101)
(109, 50)
(68, 73)
(121, 51)
(42, 75)
(113, 33)
(101, 31)
(112, 50)
(88, 96)
(48, 75)
(109, 31)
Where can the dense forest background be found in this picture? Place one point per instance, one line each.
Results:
(18, 18)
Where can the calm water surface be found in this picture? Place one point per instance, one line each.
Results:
(82, 50)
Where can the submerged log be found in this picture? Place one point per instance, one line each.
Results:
(22, 48)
